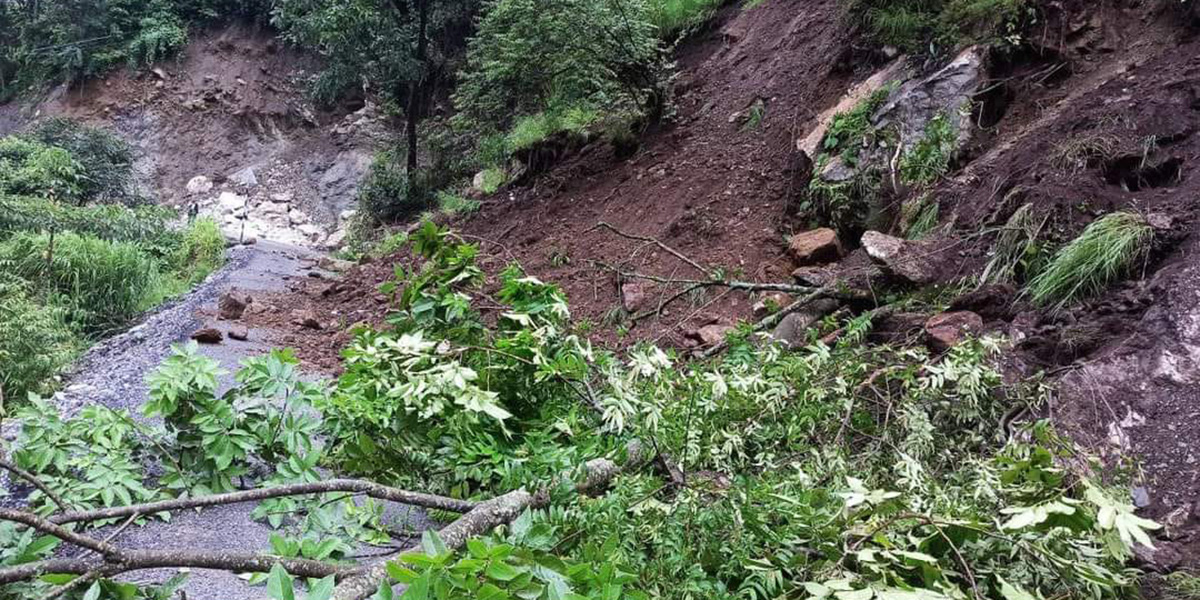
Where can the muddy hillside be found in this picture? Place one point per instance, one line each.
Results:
(227, 127)
(1098, 114)
(826, 299)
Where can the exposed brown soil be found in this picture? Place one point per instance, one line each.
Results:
(235, 98)
(1123, 77)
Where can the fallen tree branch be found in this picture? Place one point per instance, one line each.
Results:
(773, 320)
(11, 467)
(38, 523)
(374, 490)
(136, 560)
(598, 474)
(744, 286)
(650, 240)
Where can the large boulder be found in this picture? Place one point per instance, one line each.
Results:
(232, 304)
(208, 335)
(816, 247)
(946, 330)
(947, 92)
(909, 109)
(635, 297)
(231, 202)
(909, 261)
(199, 185)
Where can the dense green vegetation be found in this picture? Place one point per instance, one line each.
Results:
(50, 41)
(921, 25)
(74, 267)
(841, 470)
(1108, 249)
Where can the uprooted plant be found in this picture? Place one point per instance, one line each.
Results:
(840, 470)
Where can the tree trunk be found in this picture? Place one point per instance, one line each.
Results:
(417, 88)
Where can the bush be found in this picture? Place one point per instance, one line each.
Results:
(388, 195)
(678, 17)
(201, 251)
(537, 56)
(1105, 251)
(145, 225)
(33, 168)
(160, 36)
(913, 25)
(102, 284)
(35, 341)
(105, 160)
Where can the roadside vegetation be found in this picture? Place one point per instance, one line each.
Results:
(78, 263)
(839, 471)
(921, 26)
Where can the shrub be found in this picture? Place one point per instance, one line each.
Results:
(677, 17)
(160, 36)
(35, 341)
(930, 157)
(453, 204)
(105, 160)
(534, 56)
(388, 194)
(145, 225)
(102, 284)
(1106, 251)
(913, 25)
(32, 168)
(201, 251)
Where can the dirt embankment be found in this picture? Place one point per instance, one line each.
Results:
(230, 116)
(1097, 112)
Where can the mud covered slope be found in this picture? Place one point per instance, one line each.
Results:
(1097, 113)
(231, 109)
(715, 184)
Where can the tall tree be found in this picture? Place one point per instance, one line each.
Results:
(395, 47)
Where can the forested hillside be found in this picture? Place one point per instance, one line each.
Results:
(599, 299)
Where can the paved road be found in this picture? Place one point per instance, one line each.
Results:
(113, 373)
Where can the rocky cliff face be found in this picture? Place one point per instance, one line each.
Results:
(226, 127)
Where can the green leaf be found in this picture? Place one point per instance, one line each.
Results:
(502, 571)
(433, 545)
(93, 592)
(1012, 592)
(279, 584)
(385, 591)
(323, 590)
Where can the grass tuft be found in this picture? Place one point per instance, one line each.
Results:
(1016, 250)
(1105, 251)
(674, 18)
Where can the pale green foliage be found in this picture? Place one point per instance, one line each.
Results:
(1017, 250)
(916, 25)
(454, 204)
(930, 157)
(537, 56)
(1106, 250)
(35, 341)
(160, 36)
(678, 17)
(102, 284)
(200, 252)
(530, 130)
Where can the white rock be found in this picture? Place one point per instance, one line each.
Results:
(199, 185)
(230, 201)
(336, 239)
(284, 197)
(272, 208)
(348, 214)
(297, 217)
(312, 232)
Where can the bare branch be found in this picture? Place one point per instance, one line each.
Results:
(62, 533)
(665, 248)
(136, 560)
(374, 490)
(11, 467)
